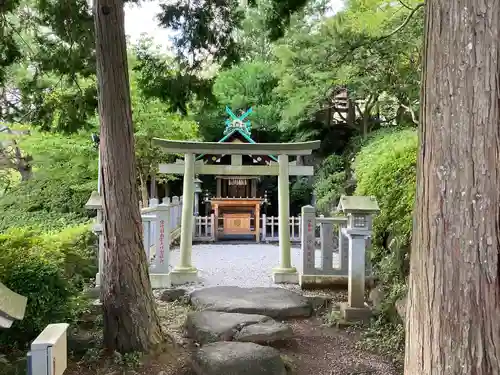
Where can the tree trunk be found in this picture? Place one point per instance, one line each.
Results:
(453, 325)
(144, 191)
(131, 322)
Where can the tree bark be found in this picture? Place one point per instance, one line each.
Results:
(131, 322)
(453, 312)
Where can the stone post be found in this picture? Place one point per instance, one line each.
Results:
(356, 273)
(175, 209)
(100, 240)
(185, 272)
(263, 228)
(355, 308)
(212, 226)
(159, 270)
(196, 204)
(327, 241)
(307, 239)
(284, 273)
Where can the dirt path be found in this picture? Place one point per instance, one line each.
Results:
(322, 350)
(315, 350)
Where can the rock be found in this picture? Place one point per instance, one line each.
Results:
(278, 303)
(96, 307)
(173, 294)
(79, 341)
(264, 332)
(211, 326)
(376, 297)
(401, 307)
(319, 302)
(93, 293)
(237, 358)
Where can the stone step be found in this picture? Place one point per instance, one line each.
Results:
(276, 303)
(211, 326)
(237, 358)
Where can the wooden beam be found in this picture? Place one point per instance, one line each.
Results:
(237, 170)
(215, 148)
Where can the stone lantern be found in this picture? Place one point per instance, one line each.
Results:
(359, 211)
(197, 191)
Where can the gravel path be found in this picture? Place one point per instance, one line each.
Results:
(244, 265)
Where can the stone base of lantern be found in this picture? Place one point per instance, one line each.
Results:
(180, 276)
(355, 314)
(160, 280)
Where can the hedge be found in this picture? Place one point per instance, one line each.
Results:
(386, 168)
(50, 270)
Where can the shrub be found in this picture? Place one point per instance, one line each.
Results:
(386, 168)
(64, 175)
(330, 183)
(48, 269)
(45, 203)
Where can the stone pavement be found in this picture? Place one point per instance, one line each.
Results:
(244, 265)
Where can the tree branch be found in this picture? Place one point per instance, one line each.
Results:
(405, 5)
(412, 113)
(405, 22)
(383, 37)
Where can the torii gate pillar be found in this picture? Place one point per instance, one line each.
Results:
(184, 272)
(284, 273)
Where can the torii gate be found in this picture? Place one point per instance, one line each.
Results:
(284, 272)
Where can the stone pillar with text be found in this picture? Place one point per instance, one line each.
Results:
(159, 269)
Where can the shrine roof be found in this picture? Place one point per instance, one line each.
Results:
(237, 132)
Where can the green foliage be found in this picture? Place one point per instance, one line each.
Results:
(384, 338)
(330, 183)
(53, 44)
(251, 84)
(300, 193)
(386, 168)
(48, 269)
(313, 61)
(65, 173)
(159, 77)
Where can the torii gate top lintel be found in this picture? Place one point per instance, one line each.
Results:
(216, 148)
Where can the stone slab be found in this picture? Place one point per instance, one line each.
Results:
(276, 303)
(264, 332)
(212, 326)
(173, 294)
(237, 358)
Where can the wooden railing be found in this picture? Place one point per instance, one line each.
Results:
(203, 228)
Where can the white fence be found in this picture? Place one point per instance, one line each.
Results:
(204, 228)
